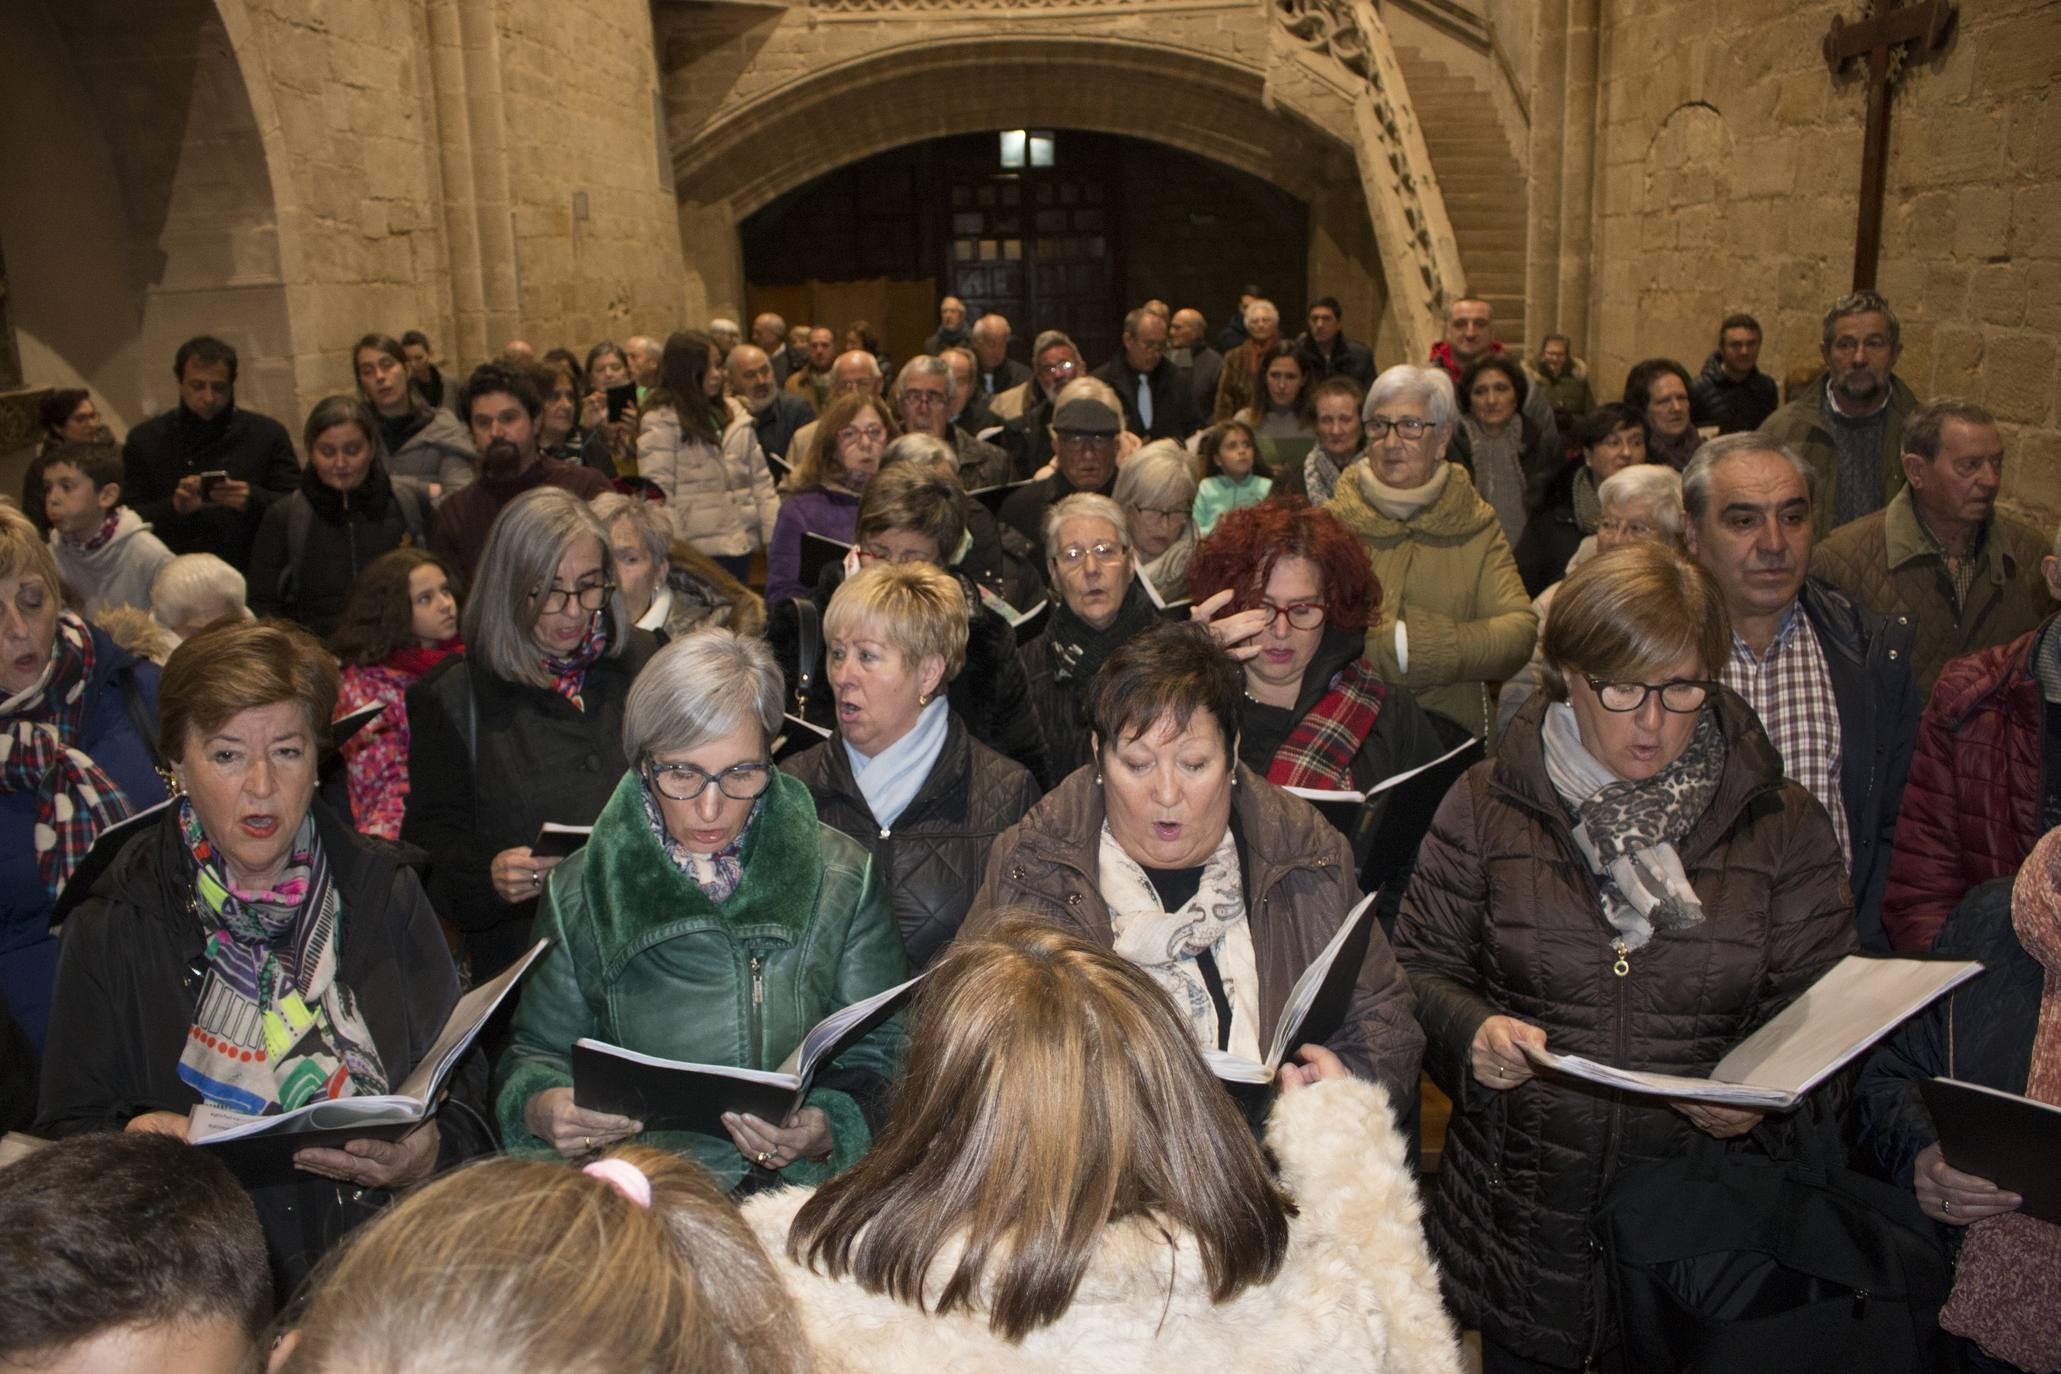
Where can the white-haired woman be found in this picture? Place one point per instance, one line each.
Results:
(712, 918)
(195, 590)
(524, 726)
(1459, 620)
(1156, 489)
(668, 586)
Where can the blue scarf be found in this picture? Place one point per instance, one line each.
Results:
(890, 779)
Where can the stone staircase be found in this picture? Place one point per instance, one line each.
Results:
(1485, 189)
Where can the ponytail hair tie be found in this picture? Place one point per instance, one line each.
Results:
(623, 1176)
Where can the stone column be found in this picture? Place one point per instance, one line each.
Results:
(1562, 156)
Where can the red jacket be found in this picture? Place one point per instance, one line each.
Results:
(1971, 808)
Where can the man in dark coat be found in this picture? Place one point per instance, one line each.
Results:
(1325, 350)
(1188, 346)
(1086, 447)
(1732, 392)
(203, 473)
(1144, 379)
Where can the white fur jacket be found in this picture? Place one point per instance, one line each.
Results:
(1356, 1292)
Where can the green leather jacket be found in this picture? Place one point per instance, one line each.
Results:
(643, 960)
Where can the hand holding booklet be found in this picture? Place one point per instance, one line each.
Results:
(2010, 1140)
(1856, 1003)
(1295, 1012)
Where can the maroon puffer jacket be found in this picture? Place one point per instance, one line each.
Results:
(1971, 809)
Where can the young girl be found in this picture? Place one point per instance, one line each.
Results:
(1230, 454)
(400, 622)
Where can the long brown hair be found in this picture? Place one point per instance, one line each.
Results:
(1051, 1090)
(682, 378)
(378, 618)
(819, 466)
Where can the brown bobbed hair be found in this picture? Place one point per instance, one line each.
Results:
(918, 499)
(1165, 673)
(1628, 613)
(819, 466)
(526, 1267)
(233, 666)
(379, 618)
(1242, 550)
(1051, 1090)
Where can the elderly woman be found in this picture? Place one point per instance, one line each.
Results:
(1658, 389)
(998, 561)
(668, 587)
(78, 716)
(1461, 620)
(902, 776)
(1156, 489)
(1088, 559)
(1643, 501)
(719, 494)
(195, 590)
(250, 951)
(1219, 884)
(525, 725)
(425, 445)
(1512, 461)
(995, 1228)
(1293, 597)
(1612, 438)
(710, 918)
(1631, 880)
(312, 545)
(822, 493)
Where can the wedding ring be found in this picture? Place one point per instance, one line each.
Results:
(536, 878)
(765, 1158)
(590, 1142)
(1946, 1204)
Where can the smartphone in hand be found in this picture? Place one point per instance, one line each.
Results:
(210, 480)
(621, 401)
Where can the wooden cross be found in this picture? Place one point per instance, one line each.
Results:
(1883, 38)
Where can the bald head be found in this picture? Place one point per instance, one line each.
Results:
(1186, 329)
(990, 337)
(855, 372)
(751, 376)
(769, 331)
(519, 352)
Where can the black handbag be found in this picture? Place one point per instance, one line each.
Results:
(1728, 1260)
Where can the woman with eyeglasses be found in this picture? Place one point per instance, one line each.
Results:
(711, 918)
(1156, 489)
(1633, 880)
(525, 725)
(822, 495)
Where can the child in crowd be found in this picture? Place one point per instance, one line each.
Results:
(1230, 455)
(105, 551)
(128, 1250)
(400, 622)
(634, 1263)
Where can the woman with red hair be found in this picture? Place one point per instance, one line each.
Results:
(1301, 595)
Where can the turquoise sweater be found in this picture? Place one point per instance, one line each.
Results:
(1218, 495)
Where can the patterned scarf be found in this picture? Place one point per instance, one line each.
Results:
(1078, 648)
(274, 1030)
(1319, 751)
(97, 541)
(717, 874)
(569, 674)
(1628, 830)
(75, 800)
(2004, 1295)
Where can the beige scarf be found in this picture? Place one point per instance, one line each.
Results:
(1395, 502)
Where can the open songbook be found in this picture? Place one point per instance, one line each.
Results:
(555, 841)
(1026, 623)
(2010, 1140)
(1159, 601)
(260, 1143)
(1859, 1001)
(1349, 797)
(99, 858)
(1316, 980)
(671, 1095)
(819, 551)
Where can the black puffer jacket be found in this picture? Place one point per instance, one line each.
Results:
(936, 852)
(346, 531)
(1503, 918)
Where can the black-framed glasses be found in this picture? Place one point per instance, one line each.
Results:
(1302, 615)
(685, 782)
(1682, 695)
(1410, 427)
(592, 596)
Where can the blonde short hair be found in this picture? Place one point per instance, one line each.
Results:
(24, 552)
(1628, 613)
(913, 606)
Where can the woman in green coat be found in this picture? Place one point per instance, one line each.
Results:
(709, 918)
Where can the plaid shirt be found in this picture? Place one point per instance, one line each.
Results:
(1791, 690)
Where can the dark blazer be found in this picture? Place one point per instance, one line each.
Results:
(1173, 404)
(166, 448)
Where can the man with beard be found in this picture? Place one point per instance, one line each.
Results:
(1154, 391)
(1083, 438)
(1830, 680)
(812, 383)
(203, 473)
(923, 400)
(1850, 429)
(501, 406)
(775, 415)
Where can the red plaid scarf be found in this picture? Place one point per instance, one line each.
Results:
(1319, 751)
(39, 727)
(569, 674)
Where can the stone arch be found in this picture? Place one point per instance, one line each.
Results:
(1687, 179)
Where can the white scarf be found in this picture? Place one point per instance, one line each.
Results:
(1165, 944)
(1398, 503)
(890, 779)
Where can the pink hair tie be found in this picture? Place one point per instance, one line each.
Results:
(623, 1176)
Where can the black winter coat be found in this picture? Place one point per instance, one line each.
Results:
(1734, 407)
(480, 785)
(1553, 533)
(166, 448)
(935, 853)
(348, 530)
(1058, 688)
(128, 983)
(1173, 411)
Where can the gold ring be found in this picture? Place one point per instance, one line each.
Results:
(765, 1157)
(590, 1142)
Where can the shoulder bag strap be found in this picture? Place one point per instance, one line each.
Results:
(808, 649)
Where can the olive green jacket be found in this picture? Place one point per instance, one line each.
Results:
(642, 959)
(1801, 424)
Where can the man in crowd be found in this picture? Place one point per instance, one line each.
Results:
(769, 336)
(501, 405)
(1939, 553)
(202, 474)
(998, 373)
(1241, 364)
(1830, 679)
(970, 409)
(1327, 352)
(422, 367)
(1152, 388)
(775, 415)
(1028, 438)
(644, 354)
(1188, 345)
(1235, 333)
(923, 401)
(812, 382)
(519, 353)
(1564, 378)
(1850, 427)
(1471, 334)
(1732, 392)
(851, 374)
(1084, 441)
(1340, 436)
(725, 335)
(951, 326)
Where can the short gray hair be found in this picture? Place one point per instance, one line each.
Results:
(926, 449)
(1258, 304)
(647, 518)
(1429, 385)
(1862, 303)
(196, 587)
(1084, 505)
(1051, 338)
(520, 560)
(1160, 474)
(924, 365)
(1655, 486)
(1696, 477)
(700, 687)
